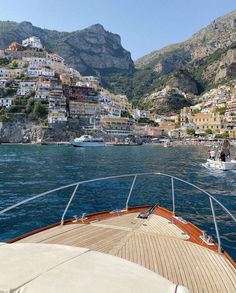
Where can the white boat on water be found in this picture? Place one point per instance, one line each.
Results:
(220, 165)
(88, 141)
(135, 249)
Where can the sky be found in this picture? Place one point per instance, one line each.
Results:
(144, 25)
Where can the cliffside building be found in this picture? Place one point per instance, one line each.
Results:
(32, 42)
(202, 121)
(57, 107)
(117, 126)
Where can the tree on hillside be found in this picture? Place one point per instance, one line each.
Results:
(208, 131)
(13, 64)
(40, 110)
(190, 131)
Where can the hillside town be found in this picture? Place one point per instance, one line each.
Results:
(43, 98)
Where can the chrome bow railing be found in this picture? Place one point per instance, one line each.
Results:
(134, 176)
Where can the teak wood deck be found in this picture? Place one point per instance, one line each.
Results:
(160, 243)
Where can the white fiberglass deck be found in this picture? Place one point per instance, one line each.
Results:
(51, 268)
(155, 244)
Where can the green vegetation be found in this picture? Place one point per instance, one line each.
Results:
(4, 61)
(222, 110)
(208, 131)
(118, 82)
(191, 131)
(40, 111)
(4, 118)
(222, 135)
(13, 64)
(148, 121)
(18, 106)
(9, 92)
(126, 114)
(34, 110)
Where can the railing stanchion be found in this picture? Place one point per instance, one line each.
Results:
(216, 226)
(173, 196)
(212, 199)
(131, 189)
(68, 204)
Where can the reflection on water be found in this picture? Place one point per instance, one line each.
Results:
(29, 170)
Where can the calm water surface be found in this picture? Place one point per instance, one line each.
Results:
(27, 170)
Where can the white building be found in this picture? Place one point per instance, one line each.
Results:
(34, 71)
(42, 94)
(37, 71)
(48, 72)
(3, 83)
(6, 73)
(32, 42)
(37, 61)
(55, 58)
(140, 114)
(3, 72)
(26, 87)
(57, 107)
(6, 102)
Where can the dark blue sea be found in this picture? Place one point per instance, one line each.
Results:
(27, 170)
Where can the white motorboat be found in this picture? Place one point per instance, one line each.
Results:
(220, 165)
(88, 141)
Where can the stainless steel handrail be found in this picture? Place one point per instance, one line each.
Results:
(135, 175)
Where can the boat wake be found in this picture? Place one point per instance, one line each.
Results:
(215, 172)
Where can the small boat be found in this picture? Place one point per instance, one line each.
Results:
(166, 143)
(221, 159)
(88, 141)
(220, 165)
(144, 248)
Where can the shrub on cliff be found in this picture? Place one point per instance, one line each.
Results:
(40, 111)
(3, 118)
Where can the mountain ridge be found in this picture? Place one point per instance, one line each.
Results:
(219, 24)
(78, 47)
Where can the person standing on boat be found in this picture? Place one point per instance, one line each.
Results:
(212, 155)
(226, 149)
(209, 154)
(222, 156)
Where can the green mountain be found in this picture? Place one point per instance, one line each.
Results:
(92, 51)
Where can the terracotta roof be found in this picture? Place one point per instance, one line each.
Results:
(201, 115)
(115, 119)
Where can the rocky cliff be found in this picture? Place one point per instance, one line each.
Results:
(221, 33)
(193, 66)
(92, 51)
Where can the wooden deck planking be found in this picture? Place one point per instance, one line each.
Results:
(59, 230)
(190, 266)
(160, 225)
(220, 264)
(127, 221)
(200, 278)
(180, 261)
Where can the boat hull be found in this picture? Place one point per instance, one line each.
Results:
(225, 166)
(88, 144)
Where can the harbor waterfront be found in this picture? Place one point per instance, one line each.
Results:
(27, 170)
